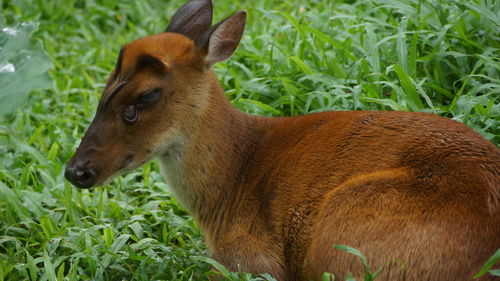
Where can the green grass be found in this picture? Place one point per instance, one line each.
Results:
(296, 57)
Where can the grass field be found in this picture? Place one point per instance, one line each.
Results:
(296, 57)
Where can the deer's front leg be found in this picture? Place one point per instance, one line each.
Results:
(247, 254)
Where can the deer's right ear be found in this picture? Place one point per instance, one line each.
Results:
(193, 19)
(225, 37)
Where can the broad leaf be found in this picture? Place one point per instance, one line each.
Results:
(23, 65)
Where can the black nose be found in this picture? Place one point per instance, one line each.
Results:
(81, 177)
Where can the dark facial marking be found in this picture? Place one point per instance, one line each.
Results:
(148, 98)
(118, 66)
(146, 61)
(109, 97)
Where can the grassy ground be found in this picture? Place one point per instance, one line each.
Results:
(296, 57)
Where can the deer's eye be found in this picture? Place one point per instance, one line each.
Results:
(130, 114)
(148, 98)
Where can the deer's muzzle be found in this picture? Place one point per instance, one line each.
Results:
(80, 174)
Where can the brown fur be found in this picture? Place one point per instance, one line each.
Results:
(274, 194)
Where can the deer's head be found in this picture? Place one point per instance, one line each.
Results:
(160, 82)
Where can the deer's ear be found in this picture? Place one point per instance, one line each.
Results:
(225, 37)
(193, 19)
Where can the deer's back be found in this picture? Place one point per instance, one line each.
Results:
(326, 149)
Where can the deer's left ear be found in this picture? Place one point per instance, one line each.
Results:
(193, 19)
(225, 37)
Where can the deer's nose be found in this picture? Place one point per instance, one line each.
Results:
(80, 176)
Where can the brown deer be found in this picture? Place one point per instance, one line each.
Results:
(272, 195)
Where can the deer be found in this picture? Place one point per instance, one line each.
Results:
(274, 194)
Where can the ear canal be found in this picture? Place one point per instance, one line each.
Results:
(225, 38)
(193, 19)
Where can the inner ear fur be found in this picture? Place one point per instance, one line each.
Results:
(223, 39)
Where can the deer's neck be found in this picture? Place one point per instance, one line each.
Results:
(205, 171)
